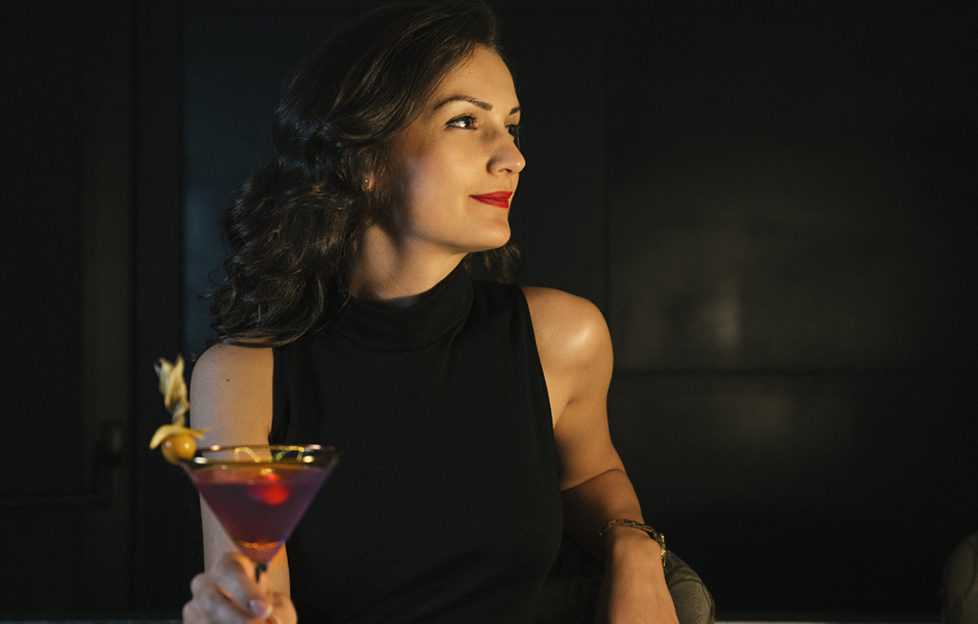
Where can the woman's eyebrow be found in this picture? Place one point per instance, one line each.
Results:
(471, 100)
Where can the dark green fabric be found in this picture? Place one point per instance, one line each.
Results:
(959, 586)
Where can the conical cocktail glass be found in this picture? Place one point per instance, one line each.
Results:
(259, 493)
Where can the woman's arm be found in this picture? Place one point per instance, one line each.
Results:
(231, 394)
(576, 354)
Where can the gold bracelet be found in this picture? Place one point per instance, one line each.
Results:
(632, 524)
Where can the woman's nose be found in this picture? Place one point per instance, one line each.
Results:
(507, 157)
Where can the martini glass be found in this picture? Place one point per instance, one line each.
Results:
(260, 492)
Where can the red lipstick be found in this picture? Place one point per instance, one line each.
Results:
(500, 199)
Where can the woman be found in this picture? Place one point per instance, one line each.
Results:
(471, 414)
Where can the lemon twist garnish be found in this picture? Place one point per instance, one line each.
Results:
(176, 437)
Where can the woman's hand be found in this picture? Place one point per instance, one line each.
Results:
(228, 594)
(634, 587)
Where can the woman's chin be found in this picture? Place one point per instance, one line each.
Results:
(496, 243)
(497, 237)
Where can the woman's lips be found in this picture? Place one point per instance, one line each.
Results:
(500, 199)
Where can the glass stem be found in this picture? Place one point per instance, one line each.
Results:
(259, 569)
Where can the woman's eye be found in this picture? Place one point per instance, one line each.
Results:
(465, 121)
(514, 129)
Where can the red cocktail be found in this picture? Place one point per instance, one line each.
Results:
(259, 493)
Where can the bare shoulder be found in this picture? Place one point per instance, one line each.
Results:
(233, 363)
(231, 392)
(569, 329)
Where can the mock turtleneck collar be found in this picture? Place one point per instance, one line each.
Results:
(433, 315)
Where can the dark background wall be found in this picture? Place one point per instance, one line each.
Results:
(770, 201)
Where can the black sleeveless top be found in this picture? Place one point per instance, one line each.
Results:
(444, 506)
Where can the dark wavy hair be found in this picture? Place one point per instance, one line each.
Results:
(296, 224)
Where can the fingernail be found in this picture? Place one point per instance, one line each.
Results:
(260, 608)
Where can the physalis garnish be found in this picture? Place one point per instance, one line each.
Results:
(177, 439)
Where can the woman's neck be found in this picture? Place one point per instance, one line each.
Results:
(395, 274)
